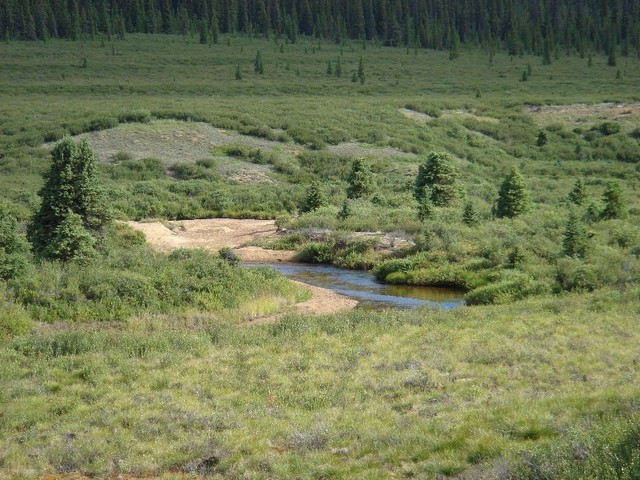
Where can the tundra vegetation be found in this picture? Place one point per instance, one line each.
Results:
(119, 360)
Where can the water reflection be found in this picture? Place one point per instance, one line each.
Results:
(366, 289)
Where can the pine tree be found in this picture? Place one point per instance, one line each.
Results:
(513, 198)
(470, 216)
(238, 73)
(614, 205)
(426, 209)
(71, 240)
(437, 173)
(258, 68)
(314, 199)
(14, 249)
(329, 68)
(361, 71)
(338, 68)
(578, 195)
(542, 138)
(574, 241)
(360, 180)
(71, 185)
(611, 58)
(345, 212)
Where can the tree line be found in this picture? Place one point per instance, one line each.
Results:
(542, 27)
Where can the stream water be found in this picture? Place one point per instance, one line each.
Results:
(364, 287)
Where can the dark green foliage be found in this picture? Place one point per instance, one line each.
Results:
(314, 199)
(437, 173)
(470, 216)
(14, 249)
(258, 67)
(425, 206)
(238, 73)
(513, 197)
(229, 256)
(578, 195)
(542, 138)
(609, 128)
(614, 204)
(70, 185)
(574, 241)
(345, 212)
(71, 241)
(361, 74)
(360, 180)
(329, 68)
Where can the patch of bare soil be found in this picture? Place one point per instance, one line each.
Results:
(412, 114)
(214, 234)
(362, 150)
(582, 113)
(458, 113)
(170, 141)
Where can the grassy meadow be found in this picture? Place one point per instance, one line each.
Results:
(141, 364)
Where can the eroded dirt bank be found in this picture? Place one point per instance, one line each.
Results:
(214, 234)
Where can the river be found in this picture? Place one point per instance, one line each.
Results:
(365, 288)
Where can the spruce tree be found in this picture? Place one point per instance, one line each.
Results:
(578, 195)
(314, 199)
(574, 241)
(437, 173)
(71, 185)
(470, 215)
(258, 67)
(426, 209)
(238, 73)
(345, 212)
(513, 198)
(13, 248)
(360, 180)
(542, 138)
(361, 75)
(614, 205)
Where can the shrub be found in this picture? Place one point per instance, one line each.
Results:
(609, 128)
(513, 285)
(135, 116)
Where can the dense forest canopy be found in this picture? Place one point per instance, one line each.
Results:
(521, 26)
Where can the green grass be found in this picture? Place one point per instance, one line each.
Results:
(358, 395)
(175, 387)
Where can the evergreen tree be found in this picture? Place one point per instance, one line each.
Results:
(437, 173)
(238, 73)
(513, 198)
(258, 68)
(329, 68)
(361, 71)
(71, 240)
(614, 205)
(542, 138)
(426, 209)
(578, 195)
(13, 248)
(345, 212)
(574, 241)
(470, 216)
(611, 58)
(338, 68)
(204, 33)
(71, 185)
(360, 180)
(314, 199)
